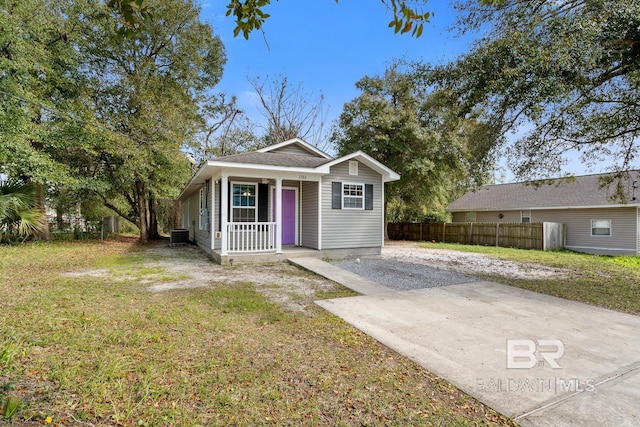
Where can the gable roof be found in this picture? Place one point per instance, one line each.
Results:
(573, 192)
(274, 159)
(266, 159)
(387, 174)
(298, 142)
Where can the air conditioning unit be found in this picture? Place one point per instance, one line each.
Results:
(179, 236)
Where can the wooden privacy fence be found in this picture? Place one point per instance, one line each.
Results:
(535, 235)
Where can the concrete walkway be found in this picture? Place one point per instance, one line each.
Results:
(586, 373)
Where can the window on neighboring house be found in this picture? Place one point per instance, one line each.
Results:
(353, 167)
(352, 196)
(470, 216)
(244, 202)
(525, 216)
(601, 227)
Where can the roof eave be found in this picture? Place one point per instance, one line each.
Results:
(388, 175)
(529, 208)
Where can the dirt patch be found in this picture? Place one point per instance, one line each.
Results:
(468, 263)
(164, 268)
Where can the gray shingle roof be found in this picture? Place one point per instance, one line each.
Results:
(580, 191)
(275, 159)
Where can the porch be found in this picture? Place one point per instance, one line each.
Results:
(288, 251)
(257, 216)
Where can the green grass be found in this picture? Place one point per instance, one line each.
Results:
(103, 350)
(605, 281)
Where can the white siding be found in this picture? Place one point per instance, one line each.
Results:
(346, 228)
(201, 237)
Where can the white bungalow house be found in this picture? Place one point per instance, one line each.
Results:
(283, 198)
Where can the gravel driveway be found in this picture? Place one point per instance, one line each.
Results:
(402, 275)
(406, 266)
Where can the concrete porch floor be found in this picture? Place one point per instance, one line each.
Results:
(288, 251)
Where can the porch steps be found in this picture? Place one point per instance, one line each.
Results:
(346, 278)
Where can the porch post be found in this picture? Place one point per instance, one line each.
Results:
(212, 210)
(279, 215)
(224, 209)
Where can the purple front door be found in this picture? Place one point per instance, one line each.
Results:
(288, 215)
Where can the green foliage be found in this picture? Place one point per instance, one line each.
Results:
(407, 19)
(11, 407)
(149, 86)
(95, 115)
(248, 14)
(400, 123)
(566, 74)
(20, 216)
(407, 16)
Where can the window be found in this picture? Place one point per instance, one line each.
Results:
(601, 227)
(353, 167)
(244, 202)
(525, 216)
(202, 206)
(352, 196)
(469, 217)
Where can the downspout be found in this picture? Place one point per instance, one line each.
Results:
(300, 215)
(320, 213)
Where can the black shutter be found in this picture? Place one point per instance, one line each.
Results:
(368, 197)
(336, 195)
(230, 204)
(219, 192)
(263, 202)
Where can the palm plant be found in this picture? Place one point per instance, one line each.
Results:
(20, 217)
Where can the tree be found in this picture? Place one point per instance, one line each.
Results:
(289, 110)
(39, 87)
(250, 16)
(413, 131)
(228, 130)
(564, 74)
(148, 88)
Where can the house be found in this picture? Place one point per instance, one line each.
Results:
(283, 198)
(594, 221)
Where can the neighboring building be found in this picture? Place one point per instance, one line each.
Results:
(288, 195)
(594, 221)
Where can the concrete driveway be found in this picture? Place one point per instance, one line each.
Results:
(542, 360)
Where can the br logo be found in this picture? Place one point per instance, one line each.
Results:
(525, 354)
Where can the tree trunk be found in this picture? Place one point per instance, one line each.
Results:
(59, 217)
(43, 233)
(153, 218)
(143, 211)
(176, 215)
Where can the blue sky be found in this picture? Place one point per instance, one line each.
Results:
(328, 47)
(325, 46)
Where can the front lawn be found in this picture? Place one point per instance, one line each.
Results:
(102, 349)
(605, 281)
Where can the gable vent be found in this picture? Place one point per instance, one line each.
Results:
(353, 167)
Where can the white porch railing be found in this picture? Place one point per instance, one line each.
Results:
(251, 236)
